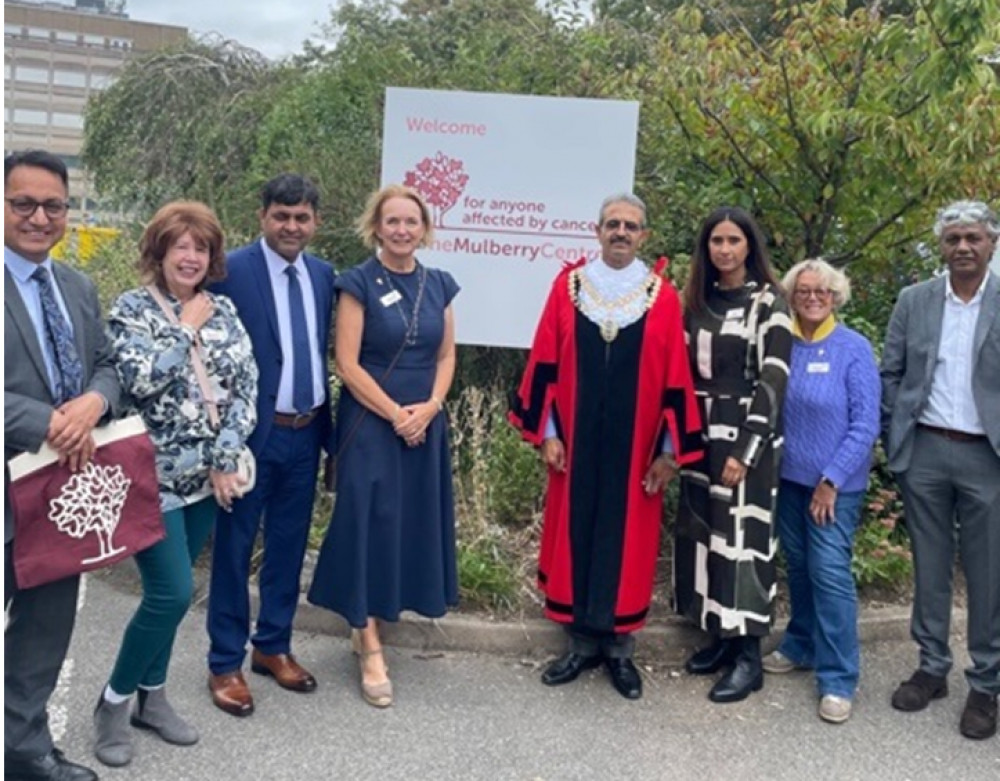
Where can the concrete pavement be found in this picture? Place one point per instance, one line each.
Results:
(462, 715)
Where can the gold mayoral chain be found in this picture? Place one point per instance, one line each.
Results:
(636, 302)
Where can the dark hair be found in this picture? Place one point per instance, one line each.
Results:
(289, 190)
(704, 275)
(167, 226)
(37, 158)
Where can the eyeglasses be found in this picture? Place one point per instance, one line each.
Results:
(805, 293)
(26, 207)
(630, 227)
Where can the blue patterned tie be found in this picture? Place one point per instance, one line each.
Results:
(62, 348)
(302, 384)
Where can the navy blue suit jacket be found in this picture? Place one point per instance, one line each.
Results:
(248, 284)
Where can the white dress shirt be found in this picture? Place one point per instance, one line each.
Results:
(951, 404)
(276, 266)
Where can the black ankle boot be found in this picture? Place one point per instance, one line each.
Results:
(721, 653)
(746, 676)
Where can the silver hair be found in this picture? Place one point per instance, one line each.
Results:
(832, 278)
(629, 198)
(967, 213)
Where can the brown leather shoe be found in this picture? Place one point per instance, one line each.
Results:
(284, 669)
(231, 693)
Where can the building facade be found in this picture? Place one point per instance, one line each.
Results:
(56, 55)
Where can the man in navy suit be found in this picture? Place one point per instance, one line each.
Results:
(285, 299)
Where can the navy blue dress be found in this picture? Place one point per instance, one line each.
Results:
(391, 542)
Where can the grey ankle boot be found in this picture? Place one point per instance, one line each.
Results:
(152, 711)
(113, 745)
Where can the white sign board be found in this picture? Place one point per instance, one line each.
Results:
(515, 183)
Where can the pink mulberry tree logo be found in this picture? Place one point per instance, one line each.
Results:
(440, 180)
(92, 502)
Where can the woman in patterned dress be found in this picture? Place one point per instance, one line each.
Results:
(181, 252)
(739, 340)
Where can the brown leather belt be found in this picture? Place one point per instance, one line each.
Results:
(954, 436)
(295, 421)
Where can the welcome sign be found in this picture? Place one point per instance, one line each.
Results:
(514, 183)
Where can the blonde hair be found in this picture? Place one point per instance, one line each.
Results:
(368, 221)
(832, 278)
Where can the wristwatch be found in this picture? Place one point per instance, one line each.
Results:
(830, 483)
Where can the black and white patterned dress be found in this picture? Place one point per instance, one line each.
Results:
(724, 545)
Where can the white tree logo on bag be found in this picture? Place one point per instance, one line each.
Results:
(92, 501)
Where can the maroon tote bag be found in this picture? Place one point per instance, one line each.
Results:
(68, 522)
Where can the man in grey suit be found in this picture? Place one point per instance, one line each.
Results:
(941, 430)
(58, 383)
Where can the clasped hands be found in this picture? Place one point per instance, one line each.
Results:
(226, 486)
(71, 427)
(658, 475)
(411, 421)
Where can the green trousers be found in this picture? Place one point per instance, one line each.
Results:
(167, 586)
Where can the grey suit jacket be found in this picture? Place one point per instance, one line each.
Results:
(909, 357)
(27, 398)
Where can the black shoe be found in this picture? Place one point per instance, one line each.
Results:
(708, 661)
(738, 683)
(916, 693)
(568, 668)
(625, 678)
(51, 767)
(979, 719)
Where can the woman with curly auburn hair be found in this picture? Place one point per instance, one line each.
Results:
(155, 330)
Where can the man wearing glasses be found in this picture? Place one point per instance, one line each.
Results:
(941, 430)
(58, 383)
(607, 396)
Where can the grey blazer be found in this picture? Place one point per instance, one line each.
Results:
(27, 398)
(909, 357)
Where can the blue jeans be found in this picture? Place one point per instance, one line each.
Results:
(823, 630)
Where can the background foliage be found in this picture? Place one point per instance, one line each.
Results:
(841, 124)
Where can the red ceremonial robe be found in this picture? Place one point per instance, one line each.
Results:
(612, 404)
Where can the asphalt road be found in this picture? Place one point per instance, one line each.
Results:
(467, 716)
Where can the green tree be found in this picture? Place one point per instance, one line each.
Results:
(843, 133)
(179, 123)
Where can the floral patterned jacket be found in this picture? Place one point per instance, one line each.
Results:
(152, 357)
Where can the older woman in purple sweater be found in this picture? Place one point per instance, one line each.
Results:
(831, 421)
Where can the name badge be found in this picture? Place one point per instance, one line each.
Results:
(390, 298)
(734, 314)
(818, 368)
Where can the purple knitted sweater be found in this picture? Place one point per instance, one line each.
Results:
(831, 411)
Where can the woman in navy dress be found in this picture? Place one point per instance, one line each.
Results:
(391, 544)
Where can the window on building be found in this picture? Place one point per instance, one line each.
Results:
(13, 29)
(27, 116)
(31, 75)
(69, 78)
(64, 119)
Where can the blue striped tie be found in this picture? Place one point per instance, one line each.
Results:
(302, 384)
(62, 349)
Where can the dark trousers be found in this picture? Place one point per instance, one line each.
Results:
(951, 494)
(39, 626)
(283, 496)
(610, 645)
(167, 586)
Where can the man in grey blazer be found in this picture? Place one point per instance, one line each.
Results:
(941, 430)
(58, 384)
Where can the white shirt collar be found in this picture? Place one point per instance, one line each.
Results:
(276, 263)
(21, 267)
(950, 294)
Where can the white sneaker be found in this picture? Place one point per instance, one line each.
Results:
(778, 664)
(834, 709)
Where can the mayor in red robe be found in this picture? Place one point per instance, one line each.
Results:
(614, 392)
